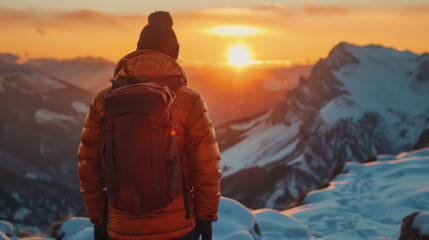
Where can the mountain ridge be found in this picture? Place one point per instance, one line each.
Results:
(353, 106)
(40, 123)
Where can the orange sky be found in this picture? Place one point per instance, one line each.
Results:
(287, 35)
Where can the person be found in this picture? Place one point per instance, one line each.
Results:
(155, 58)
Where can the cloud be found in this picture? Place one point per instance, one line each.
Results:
(311, 8)
(231, 16)
(234, 31)
(90, 16)
(272, 8)
(422, 9)
(268, 7)
(61, 20)
(14, 15)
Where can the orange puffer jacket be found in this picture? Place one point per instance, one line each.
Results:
(201, 164)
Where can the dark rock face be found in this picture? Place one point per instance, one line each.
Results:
(423, 140)
(423, 74)
(408, 232)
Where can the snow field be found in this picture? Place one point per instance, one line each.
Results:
(76, 228)
(6, 227)
(370, 200)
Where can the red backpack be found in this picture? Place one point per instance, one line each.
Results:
(141, 164)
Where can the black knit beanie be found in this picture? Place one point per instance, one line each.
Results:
(158, 35)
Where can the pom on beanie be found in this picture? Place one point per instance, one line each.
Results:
(158, 35)
(160, 19)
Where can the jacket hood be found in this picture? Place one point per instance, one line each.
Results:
(151, 64)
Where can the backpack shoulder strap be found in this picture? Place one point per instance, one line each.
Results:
(172, 82)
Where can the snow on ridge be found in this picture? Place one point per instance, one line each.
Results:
(379, 50)
(246, 125)
(48, 81)
(80, 107)
(45, 116)
(384, 82)
(275, 141)
(33, 82)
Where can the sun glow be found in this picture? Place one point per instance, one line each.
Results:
(234, 31)
(239, 55)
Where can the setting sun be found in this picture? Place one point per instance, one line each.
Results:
(239, 55)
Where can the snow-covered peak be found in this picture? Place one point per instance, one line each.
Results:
(382, 80)
(358, 102)
(341, 55)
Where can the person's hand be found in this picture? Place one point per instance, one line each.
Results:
(204, 229)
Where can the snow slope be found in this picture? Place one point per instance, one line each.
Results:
(369, 200)
(357, 103)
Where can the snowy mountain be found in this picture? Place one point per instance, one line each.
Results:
(356, 103)
(40, 123)
(86, 72)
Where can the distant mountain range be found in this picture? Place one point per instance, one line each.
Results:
(357, 103)
(244, 92)
(86, 72)
(41, 118)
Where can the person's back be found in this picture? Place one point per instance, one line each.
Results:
(155, 59)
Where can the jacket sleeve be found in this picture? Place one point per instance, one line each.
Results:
(89, 166)
(204, 161)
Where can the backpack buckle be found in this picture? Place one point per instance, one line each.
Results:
(173, 124)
